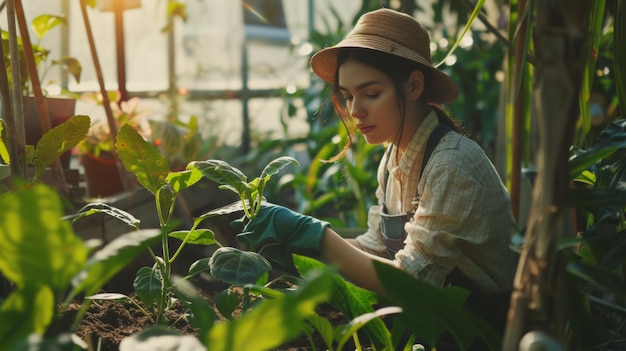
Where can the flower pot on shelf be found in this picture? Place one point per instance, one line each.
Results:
(60, 109)
(102, 176)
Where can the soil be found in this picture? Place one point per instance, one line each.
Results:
(108, 322)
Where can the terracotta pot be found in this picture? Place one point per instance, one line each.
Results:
(60, 109)
(102, 176)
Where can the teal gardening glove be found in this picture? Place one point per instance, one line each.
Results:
(277, 232)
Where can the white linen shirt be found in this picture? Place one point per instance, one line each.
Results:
(463, 219)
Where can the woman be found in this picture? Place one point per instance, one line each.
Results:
(443, 214)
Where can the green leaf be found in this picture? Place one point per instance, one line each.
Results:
(148, 284)
(222, 173)
(272, 322)
(58, 140)
(196, 237)
(276, 165)
(160, 338)
(238, 267)
(108, 261)
(37, 246)
(100, 207)
(437, 310)
(201, 265)
(203, 315)
(227, 302)
(43, 23)
(599, 278)
(357, 323)
(183, 179)
(351, 300)
(30, 308)
(72, 65)
(108, 296)
(142, 159)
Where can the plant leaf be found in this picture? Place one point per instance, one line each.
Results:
(58, 140)
(227, 302)
(43, 23)
(351, 300)
(108, 296)
(437, 310)
(276, 165)
(160, 338)
(222, 173)
(238, 267)
(4, 151)
(100, 207)
(196, 237)
(30, 308)
(272, 322)
(183, 179)
(37, 246)
(142, 159)
(107, 262)
(201, 265)
(148, 284)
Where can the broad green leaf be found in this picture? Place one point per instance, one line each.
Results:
(225, 210)
(196, 237)
(222, 173)
(27, 310)
(435, 311)
(148, 284)
(276, 165)
(227, 302)
(100, 207)
(599, 278)
(272, 322)
(201, 265)
(108, 296)
(58, 140)
(238, 267)
(108, 261)
(61, 342)
(203, 315)
(43, 23)
(161, 338)
(37, 246)
(183, 179)
(323, 327)
(142, 159)
(620, 53)
(72, 65)
(357, 323)
(350, 299)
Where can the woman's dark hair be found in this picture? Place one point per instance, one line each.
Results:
(398, 70)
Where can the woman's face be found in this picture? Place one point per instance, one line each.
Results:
(371, 98)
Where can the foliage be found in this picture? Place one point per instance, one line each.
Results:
(51, 146)
(41, 25)
(99, 138)
(43, 259)
(597, 255)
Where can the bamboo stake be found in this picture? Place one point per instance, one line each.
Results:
(16, 140)
(42, 106)
(124, 175)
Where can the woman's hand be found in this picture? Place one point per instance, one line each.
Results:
(277, 232)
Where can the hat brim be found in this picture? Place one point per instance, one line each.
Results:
(441, 89)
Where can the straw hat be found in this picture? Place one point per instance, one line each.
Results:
(395, 33)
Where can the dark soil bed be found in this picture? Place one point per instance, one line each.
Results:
(107, 323)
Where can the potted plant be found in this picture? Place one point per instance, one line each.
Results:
(61, 106)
